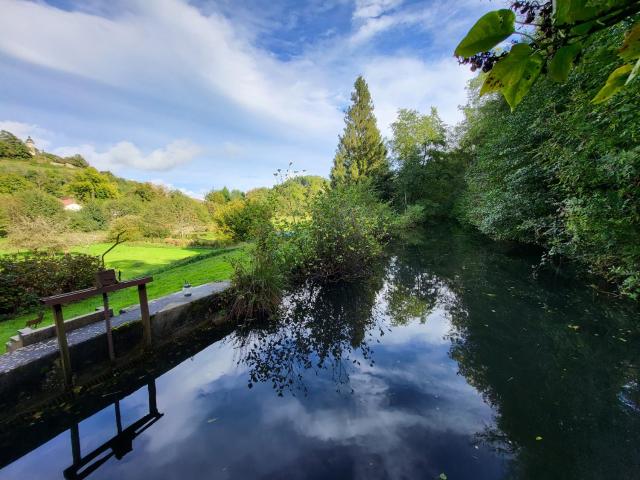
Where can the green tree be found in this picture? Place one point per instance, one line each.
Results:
(12, 147)
(76, 160)
(92, 217)
(217, 197)
(90, 184)
(361, 153)
(427, 172)
(174, 214)
(146, 192)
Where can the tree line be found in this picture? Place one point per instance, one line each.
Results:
(561, 172)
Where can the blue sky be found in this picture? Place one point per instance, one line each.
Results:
(201, 94)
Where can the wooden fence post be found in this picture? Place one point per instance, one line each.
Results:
(107, 321)
(144, 314)
(62, 344)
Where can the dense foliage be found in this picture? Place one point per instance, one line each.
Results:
(345, 232)
(338, 238)
(12, 147)
(428, 174)
(26, 278)
(560, 171)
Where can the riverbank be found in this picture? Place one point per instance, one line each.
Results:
(169, 266)
(34, 369)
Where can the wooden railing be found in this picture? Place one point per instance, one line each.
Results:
(57, 301)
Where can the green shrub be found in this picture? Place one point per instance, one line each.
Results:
(346, 231)
(11, 183)
(560, 171)
(37, 233)
(91, 218)
(35, 203)
(412, 216)
(241, 218)
(257, 287)
(26, 278)
(6, 212)
(129, 227)
(120, 207)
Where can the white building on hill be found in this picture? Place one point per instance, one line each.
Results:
(71, 205)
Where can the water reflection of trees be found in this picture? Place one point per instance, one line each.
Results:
(410, 292)
(331, 328)
(559, 366)
(562, 396)
(319, 328)
(566, 398)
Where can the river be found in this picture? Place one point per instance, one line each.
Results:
(457, 359)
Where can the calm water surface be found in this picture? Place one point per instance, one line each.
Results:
(453, 358)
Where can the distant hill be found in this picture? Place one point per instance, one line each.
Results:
(24, 167)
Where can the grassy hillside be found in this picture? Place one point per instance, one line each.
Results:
(139, 259)
(23, 166)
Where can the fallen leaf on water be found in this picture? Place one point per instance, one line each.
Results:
(538, 438)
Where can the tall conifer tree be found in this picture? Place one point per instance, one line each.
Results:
(361, 153)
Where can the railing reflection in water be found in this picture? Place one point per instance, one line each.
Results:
(117, 446)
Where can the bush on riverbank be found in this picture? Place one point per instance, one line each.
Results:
(339, 239)
(347, 229)
(26, 278)
(257, 287)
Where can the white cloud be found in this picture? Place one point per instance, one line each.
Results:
(126, 154)
(250, 111)
(22, 130)
(167, 47)
(407, 82)
(373, 8)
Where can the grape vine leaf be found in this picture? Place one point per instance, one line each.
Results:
(574, 11)
(491, 29)
(614, 83)
(561, 63)
(514, 74)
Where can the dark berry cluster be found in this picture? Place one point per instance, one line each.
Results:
(482, 61)
(535, 13)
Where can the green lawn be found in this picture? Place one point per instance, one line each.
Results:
(170, 267)
(138, 259)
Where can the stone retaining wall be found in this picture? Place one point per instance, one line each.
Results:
(36, 367)
(29, 336)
